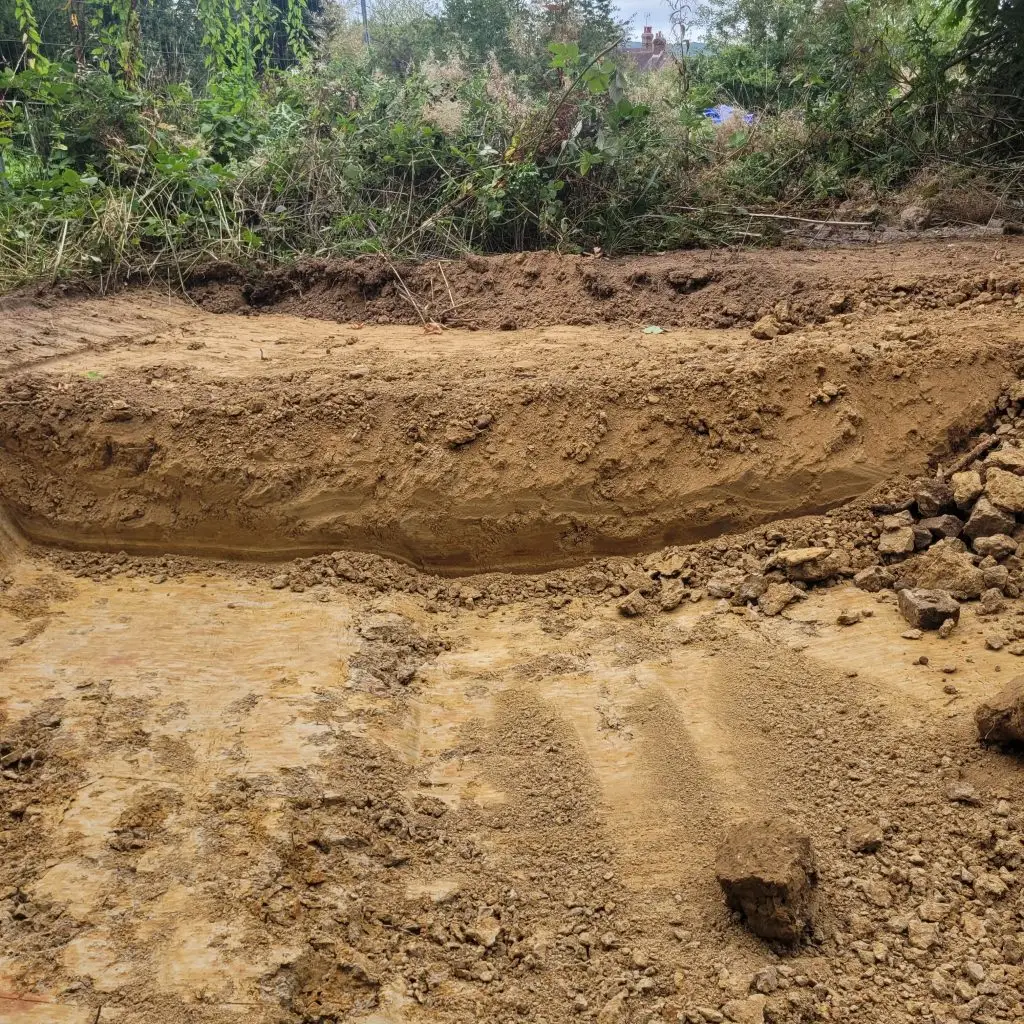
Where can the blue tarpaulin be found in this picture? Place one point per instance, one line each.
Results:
(723, 112)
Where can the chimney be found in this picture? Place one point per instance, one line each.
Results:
(659, 43)
(648, 38)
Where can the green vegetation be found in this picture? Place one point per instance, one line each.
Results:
(152, 138)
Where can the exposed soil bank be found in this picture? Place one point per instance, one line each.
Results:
(343, 789)
(274, 436)
(713, 289)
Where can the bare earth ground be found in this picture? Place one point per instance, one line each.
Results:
(310, 783)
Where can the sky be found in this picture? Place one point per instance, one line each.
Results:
(645, 12)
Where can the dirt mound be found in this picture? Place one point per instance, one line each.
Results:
(275, 436)
(716, 289)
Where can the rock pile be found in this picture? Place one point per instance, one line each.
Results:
(955, 540)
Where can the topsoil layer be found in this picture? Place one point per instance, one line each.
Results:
(712, 289)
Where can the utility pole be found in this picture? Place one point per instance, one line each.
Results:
(366, 24)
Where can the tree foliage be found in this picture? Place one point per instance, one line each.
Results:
(170, 39)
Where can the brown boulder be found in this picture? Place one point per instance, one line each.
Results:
(768, 872)
(810, 565)
(897, 542)
(986, 520)
(922, 537)
(1009, 458)
(1005, 490)
(998, 545)
(967, 488)
(943, 526)
(751, 587)
(944, 567)
(932, 496)
(766, 328)
(1000, 719)
(928, 609)
(724, 583)
(632, 605)
(874, 578)
(777, 597)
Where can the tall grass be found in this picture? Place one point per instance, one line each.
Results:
(342, 157)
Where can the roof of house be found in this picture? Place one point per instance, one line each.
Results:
(648, 60)
(631, 46)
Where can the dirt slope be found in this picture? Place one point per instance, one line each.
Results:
(468, 451)
(716, 289)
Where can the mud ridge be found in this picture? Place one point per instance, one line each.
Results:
(707, 289)
(276, 437)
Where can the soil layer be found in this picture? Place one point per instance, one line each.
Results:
(143, 424)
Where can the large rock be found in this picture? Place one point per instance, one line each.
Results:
(777, 597)
(768, 871)
(998, 545)
(922, 537)
(1005, 490)
(632, 605)
(943, 526)
(810, 565)
(1000, 719)
(1010, 458)
(874, 578)
(944, 567)
(967, 488)
(750, 588)
(928, 609)
(895, 520)
(897, 542)
(932, 496)
(986, 520)
(724, 583)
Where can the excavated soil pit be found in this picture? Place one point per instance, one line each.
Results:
(343, 787)
(142, 424)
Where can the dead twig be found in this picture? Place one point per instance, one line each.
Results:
(740, 212)
(811, 220)
(988, 442)
(892, 508)
(405, 290)
(60, 253)
(446, 284)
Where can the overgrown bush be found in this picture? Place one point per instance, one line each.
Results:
(282, 139)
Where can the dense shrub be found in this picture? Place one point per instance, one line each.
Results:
(481, 124)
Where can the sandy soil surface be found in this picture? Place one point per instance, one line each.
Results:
(341, 787)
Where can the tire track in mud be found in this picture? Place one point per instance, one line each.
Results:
(57, 333)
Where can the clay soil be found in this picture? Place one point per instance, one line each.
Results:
(318, 702)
